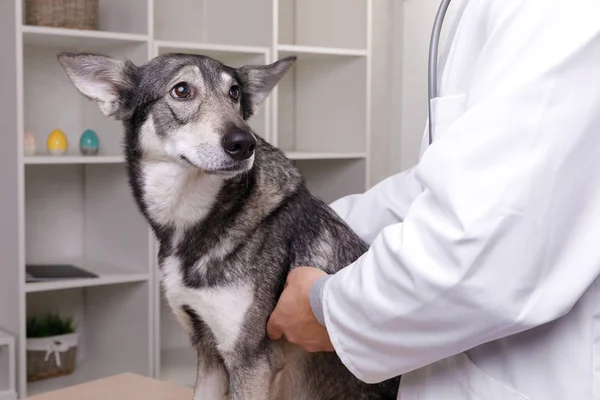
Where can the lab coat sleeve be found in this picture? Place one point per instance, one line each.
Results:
(493, 244)
(387, 203)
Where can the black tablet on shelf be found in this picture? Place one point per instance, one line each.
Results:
(52, 272)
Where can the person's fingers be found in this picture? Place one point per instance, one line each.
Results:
(274, 331)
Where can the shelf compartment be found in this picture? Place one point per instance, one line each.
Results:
(107, 275)
(235, 56)
(49, 160)
(85, 212)
(321, 106)
(113, 323)
(309, 23)
(117, 16)
(247, 22)
(59, 38)
(331, 180)
(52, 102)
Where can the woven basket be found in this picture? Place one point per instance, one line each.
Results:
(58, 358)
(74, 14)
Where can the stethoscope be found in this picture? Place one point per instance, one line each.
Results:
(433, 61)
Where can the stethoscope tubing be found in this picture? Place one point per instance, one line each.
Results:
(433, 61)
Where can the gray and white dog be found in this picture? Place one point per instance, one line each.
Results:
(232, 215)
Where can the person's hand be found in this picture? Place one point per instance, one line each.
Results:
(293, 316)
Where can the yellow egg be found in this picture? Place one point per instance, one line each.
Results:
(57, 143)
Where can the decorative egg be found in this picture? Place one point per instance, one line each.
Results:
(89, 143)
(29, 143)
(57, 143)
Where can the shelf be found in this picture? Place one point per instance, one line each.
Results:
(209, 48)
(73, 38)
(293, 155)
(178, 366)
(308, 155)
(306, 52)
(107, 276)
(44, 160)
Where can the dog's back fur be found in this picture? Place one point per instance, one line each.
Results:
(227, 243)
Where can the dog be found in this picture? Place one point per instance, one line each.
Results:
(232, 216)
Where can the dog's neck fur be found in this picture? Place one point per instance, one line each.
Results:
(176, 198)
(176, 195)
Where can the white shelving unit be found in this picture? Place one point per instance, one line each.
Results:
(78, 209)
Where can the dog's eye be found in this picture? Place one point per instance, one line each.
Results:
(234, 92)
(181, 91)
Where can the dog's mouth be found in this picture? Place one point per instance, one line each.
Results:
(230, 169)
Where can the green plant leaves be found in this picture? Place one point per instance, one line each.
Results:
(51, 324)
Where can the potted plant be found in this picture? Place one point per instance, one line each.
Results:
(51, 346)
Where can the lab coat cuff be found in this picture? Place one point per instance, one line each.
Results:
(316, 298)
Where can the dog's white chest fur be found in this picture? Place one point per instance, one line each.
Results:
(222, 308)
(178, 195)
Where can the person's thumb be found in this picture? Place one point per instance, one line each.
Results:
(273, 329)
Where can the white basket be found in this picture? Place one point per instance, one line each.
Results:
(51, 356)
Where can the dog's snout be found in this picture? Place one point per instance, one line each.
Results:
(239, 145)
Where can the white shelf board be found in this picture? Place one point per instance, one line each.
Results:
(73, 159)
(318, 52)
(107, 275)
(209, 48)
(309, 155)
(178, 366)
(294, 155)
(41, 36)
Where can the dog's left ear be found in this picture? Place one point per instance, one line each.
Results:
(103, 79)
(259, 81)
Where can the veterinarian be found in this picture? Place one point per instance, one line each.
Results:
(481, 281)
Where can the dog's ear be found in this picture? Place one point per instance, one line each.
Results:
(259, 81)
(103, 79)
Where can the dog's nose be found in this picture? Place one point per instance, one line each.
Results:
(239, 146)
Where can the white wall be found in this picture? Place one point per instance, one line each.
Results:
(401, 32)
(417, 22)
(381, 89)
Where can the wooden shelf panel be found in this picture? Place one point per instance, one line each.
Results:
(62, 38)
(107, 275)
(67, 159)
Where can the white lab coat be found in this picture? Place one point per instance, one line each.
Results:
(481, 281)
